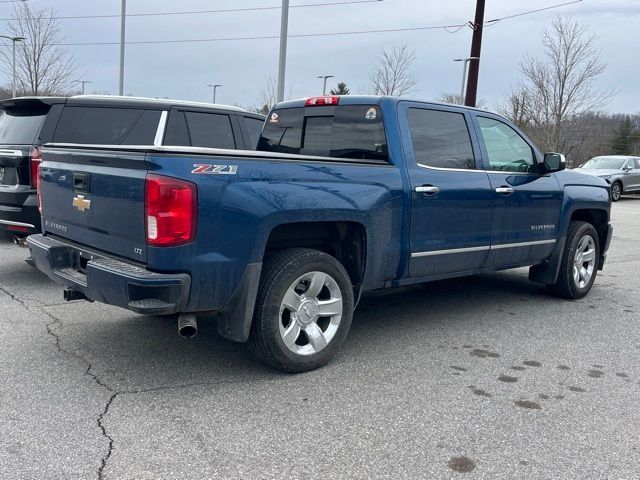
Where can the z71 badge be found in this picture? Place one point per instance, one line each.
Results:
(207, 169)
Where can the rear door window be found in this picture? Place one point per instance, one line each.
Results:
(107, 126)
(20, 127)
(350, 132)
(210, 130)
(440, 139)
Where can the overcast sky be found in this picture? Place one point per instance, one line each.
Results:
(184, 70)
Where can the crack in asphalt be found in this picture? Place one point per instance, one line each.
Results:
(105, 459)
(51, 329)
(13, 297)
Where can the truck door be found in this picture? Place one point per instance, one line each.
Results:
(450, 226)
(526, 203)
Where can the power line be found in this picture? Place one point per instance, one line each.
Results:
(198, 12)
(448, 28)
(265, 37)
(495, 20)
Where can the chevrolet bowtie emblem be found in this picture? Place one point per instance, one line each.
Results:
(81, 203)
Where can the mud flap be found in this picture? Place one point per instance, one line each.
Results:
(234, 320)
(547, 272)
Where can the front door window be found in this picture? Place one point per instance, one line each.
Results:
(506, 149)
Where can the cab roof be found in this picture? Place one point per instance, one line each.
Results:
(153, 103)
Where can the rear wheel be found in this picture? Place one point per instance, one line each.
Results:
(579, 262)
(616, 191)
(303, 311)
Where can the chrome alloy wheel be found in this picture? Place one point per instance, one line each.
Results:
(310, 313)
(616, 191)
(584, 261)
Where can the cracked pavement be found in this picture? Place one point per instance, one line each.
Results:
(484, 377)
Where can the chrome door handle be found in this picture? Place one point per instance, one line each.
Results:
(428, 189)
(505, 190)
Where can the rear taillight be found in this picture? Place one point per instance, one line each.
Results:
(38, 189)
(171, 211)
(36, 160)
(319, 101)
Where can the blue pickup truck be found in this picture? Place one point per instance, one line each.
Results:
(344, 195)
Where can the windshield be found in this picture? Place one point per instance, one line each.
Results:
(604, 163)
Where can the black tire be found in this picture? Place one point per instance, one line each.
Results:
(279, 272)
(565, 285)
(616, 191)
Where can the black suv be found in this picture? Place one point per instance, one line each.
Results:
(28, 122)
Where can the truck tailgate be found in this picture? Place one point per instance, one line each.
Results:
(96, 197)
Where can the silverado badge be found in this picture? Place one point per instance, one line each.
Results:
(81, 203)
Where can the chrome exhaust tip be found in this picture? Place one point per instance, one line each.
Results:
(187, 325)
(20, 241)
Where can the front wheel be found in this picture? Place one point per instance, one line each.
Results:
(579, 262)
(303, 311)
(616, 191)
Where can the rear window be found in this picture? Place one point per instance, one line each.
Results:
(351, 131)
(20, 127)
(107, 126)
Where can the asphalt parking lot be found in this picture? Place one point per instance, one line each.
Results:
(484, 377)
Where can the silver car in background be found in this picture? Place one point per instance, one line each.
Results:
(621, 172)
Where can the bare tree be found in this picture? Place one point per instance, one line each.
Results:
(516, 107)
(456, 99)
(558, 88)
(267, 96)
(5, 93)
(452, 98)
(392, 73)
(43, 67)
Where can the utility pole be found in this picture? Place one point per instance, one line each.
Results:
(282, 63)
(215, 87)
(476, 46)
(123, 17)
(324, 84)
(83, 83)
(464, 74)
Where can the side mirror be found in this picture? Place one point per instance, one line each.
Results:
(627, 168)
(554, 162)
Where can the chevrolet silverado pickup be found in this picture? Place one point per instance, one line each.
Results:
(343, 195)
